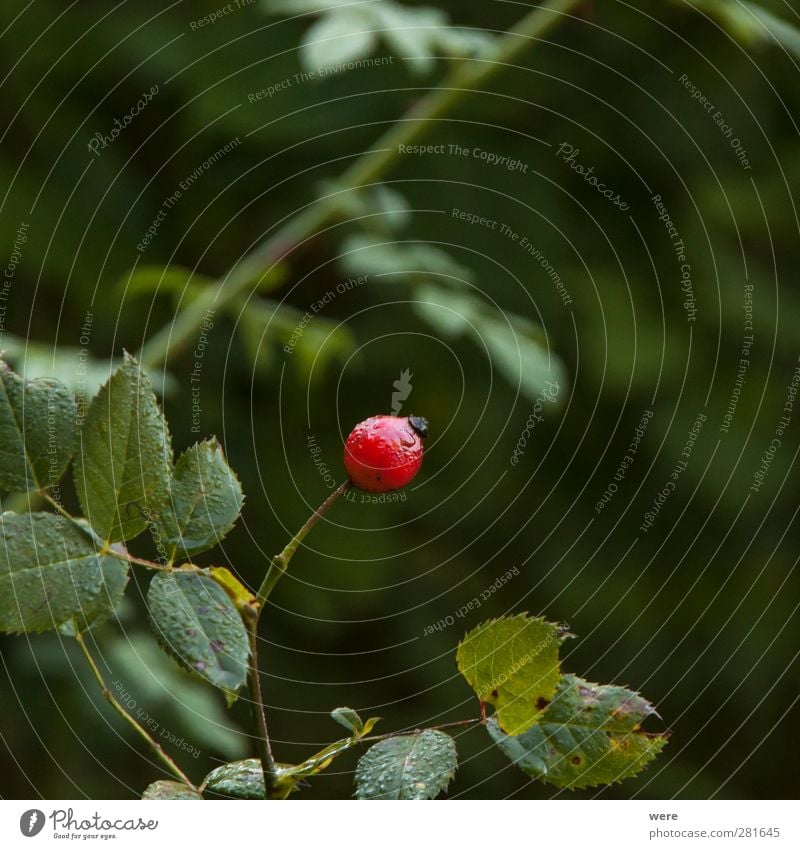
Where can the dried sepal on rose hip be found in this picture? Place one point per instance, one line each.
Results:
(385, 452)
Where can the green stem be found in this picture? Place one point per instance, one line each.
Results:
(466, 76)
(251, 615)
(106, 548)
(109, 697)
(57, 506)
(280, 562)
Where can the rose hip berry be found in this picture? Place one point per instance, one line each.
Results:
(385, 452)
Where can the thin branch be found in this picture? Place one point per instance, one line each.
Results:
(458, 724)
(138, 561)
(280, 562)
(107, 549)
(142, 732)
(251, 614)
(467, 76)
(257, 700)
(59, 508)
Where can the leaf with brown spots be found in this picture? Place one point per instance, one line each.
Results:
(512, 664)
(589, 735)
(196, 622)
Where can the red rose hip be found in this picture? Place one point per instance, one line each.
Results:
(385, 452)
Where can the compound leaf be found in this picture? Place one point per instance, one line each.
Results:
(124, 456)
(205, 498)
(410, 766)
(170, 790)
(589, 735)
(37, 431)
(51, 576)
(512, 663)
(196, 622)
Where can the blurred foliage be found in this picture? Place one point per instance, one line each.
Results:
(699, 612)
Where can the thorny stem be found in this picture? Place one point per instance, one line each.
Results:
(280, 562)
(109, 697)
(467, 76)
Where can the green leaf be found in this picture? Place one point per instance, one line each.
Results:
(182, 283)
(37, 431)
(410, 766)
(51, 575)
(170, 790)
(352, 721)
(196, 622)
(81, 373)
(521, 355)
(752, 24)
(512, 663)
(240, 595)
(124, 457)
(393, 208)
(314, 342)
(349, 719)
(346, 32)
(337, 38)
(516, 345)
(238, 779)
(459, 42)
(411, 33)
(204, 502)
(589, 735)
(773, 29)
(364, 254)
(380, 208)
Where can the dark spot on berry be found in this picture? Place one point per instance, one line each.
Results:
(419, 424)
(576, 760)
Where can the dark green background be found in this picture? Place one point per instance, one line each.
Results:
(700, 613)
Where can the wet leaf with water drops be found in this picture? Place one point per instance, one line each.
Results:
(409, 766)
(51, 576)
(196, 622)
